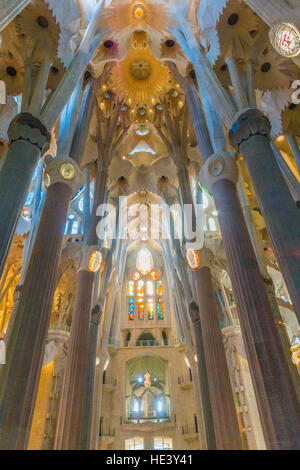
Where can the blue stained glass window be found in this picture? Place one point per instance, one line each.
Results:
(29, 199)
(130, 309)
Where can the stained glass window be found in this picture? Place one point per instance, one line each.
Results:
(131, 288)
(150, 288)
(145, 290)
(140, 288)
(160, 311)
(150, 311)
(131, 309)
(158, 287)
(144, 261)
(141, 311)
(29, 199)
(75, 228)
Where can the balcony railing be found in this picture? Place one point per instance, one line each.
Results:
(107, 431)
(185, 379)
(189, 429)
(148, 416)
(151, 342)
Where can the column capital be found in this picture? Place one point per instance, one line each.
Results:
(26, 126)
(63, 170)
(249, 123)
(219, 166)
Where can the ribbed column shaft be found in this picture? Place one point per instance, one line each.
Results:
(220, 390)
(279, 211)
(71, 432)
(73, 429)
(15, 177)
(203, 381)
(275, 395)
(28, 137)
(198, 120)
(20, 378)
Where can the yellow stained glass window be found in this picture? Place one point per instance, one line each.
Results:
(140, 288)
(160, 311)
(136, 276)
(150, 311)
(159, 288)
(141, 313)
(154, 275)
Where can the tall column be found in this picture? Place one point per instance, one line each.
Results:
(203, 378)
(72, 433)
(29, 138)
(250, 135)
(220, 390)
(20, 376)
(276, 398)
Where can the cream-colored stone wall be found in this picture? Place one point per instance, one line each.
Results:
(182, 401)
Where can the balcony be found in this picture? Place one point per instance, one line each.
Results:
(190, 432)
(147, 343)
(144, 417)
(153, 343)
(185, 382)
(113, 346)
(107, 434)
(109, 384)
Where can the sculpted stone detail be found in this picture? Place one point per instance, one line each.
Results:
(248, 124)
(25, 126)
(63, 170)
(194, 312)
(219, 166)
(96, 315)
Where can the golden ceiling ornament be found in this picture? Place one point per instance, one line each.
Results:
(139, 15)
(236, 27)
(290, 118)
(37, 23)
(140, 69)
(140, 77)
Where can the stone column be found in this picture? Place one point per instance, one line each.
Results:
(250, 135)
(276, 398)
(20, 375)
(220, 390)
(72, 432)
(29, 138)
(203, 379)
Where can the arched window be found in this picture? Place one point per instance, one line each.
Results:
(145, 290)
(75, 228)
